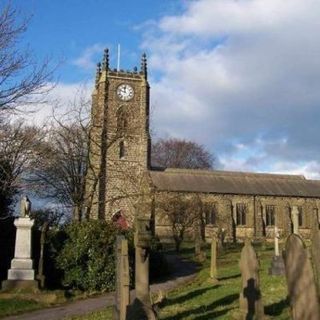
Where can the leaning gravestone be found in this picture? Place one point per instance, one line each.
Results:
(213, 264)
(122, 295)
(277, 264)
(251, 306)
(141, 308)
(300, 280)
(21, 273)
(315, 252)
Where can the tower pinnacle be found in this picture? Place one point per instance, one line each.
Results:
(105, 60)
(144, 69)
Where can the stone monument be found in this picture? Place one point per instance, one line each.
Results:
(122, 294)
(295, 219)
(302, 292)
(251, 306)
(315, 252)
(21, 274)
(141, 308)
(277, 264)
(213, 264)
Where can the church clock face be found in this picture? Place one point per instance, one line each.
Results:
(125, 92)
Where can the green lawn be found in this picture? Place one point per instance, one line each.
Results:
(98, 315)
(198, 300)
(15, 305)
(202, 300)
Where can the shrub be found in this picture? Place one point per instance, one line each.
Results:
(87, 258)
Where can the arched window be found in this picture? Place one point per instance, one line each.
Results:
(300, 216)
(122, 150)
(211, 214)
(270, 215)
(241, 211)
(122, 120)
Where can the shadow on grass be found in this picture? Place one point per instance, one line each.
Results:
(238, 275)
(276, 308)
(187, 296)
(207, 311)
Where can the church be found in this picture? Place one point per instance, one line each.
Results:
(119, 172)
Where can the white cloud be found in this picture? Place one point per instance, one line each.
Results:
(60, 99)
(241, 73)
(86, 60)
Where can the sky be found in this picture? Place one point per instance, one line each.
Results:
(240, 77)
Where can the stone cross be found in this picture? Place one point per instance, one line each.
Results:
(213, 265)
(302, 292)
(141, 308)
(122, 295)
(295, 219)
(251, 306)
(276, 241)
(277, 264)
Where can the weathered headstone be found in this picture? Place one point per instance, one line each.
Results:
(122, 295)
(21, 274)
(315, 253)
(300, 280)
(251, 306)
(213, 264)
(295, 219)
(141, 308)
(277, 264)
(200, 254)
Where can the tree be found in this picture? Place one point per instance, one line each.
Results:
(182, 212)
(59, 170)
(18, 145)
(176, 153)
(22, 80)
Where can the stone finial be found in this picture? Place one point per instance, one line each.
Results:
(105, 60)
(98, 73)
(25, 207)
(144, 64)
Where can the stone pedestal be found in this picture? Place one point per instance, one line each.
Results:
(277, 266)
(21, 274)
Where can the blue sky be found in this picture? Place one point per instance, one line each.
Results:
(64, 29)
(240, 77)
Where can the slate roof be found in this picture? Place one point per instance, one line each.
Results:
(226, 182)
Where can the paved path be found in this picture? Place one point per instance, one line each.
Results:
(183, 271)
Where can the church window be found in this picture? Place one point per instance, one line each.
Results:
(211, 214)
(300, 216)
(122, 120)
(122, 150)
(270, 215)
(241, 212)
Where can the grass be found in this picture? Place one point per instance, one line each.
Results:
(15, 305)
(18, 302)
(105, 314)
(202, 299)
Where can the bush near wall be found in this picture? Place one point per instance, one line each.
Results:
(87, 257)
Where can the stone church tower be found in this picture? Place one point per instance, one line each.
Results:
(119, 151)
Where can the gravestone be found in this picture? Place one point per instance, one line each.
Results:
(315, 252)
(200, 254)
(277, 264)
(141, 308)
(213, 264)
(122, 294)
(302, 292)
(251, 306)
(21, 274)
(295, 219)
